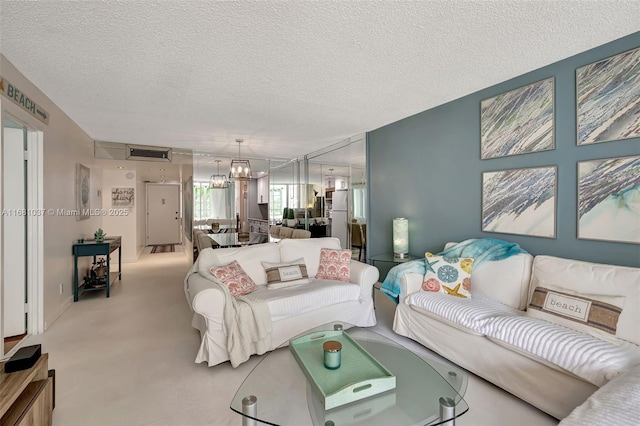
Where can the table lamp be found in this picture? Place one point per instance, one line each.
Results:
(400, 237)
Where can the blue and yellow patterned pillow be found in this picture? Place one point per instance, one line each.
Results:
(448, 275)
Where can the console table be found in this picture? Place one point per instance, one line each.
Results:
(92, 248)
(27, 396)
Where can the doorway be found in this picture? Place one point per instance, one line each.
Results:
(14, 235)
(163, 214)
(21, 233)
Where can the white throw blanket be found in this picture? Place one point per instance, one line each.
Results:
(247, 320)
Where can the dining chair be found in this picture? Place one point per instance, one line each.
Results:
(301, 233)
(286, 232)
(358, 239)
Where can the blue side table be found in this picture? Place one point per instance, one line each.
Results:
(91, 248)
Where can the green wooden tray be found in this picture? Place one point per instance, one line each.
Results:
(358, 377)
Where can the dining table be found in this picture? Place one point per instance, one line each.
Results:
(239, 239)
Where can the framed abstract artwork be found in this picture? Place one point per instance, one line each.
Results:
(609, 199)
(518, 122)
(608, 99)
(83, 190)
(520, 201)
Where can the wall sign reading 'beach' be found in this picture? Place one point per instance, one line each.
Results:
(609, 199)
(22, 100)
(518, 122)
(520, 201)
(608, 99)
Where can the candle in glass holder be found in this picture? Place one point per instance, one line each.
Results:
(332, 354)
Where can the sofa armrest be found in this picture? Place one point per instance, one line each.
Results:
(410, 283)
(207, 299)
(615, 403)
(365, 276)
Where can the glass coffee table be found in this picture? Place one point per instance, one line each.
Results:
(277, 391)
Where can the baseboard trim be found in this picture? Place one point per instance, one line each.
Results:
(48, 322)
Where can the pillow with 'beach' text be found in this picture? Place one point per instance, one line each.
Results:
(280, 275)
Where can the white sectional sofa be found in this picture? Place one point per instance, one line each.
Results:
(552, 367)
(293, 310)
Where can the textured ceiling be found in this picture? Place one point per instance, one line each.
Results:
(288, 77)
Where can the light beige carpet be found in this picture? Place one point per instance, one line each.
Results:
(128, 360)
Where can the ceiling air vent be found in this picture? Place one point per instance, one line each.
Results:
(121, 151)
(148, 153)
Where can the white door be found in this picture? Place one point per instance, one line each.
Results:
(14, 231)
(163, 214)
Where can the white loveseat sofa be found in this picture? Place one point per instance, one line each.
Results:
(293, 309)
(550, 366)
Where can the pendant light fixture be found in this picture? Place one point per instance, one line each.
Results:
(219, 181)
(240, 169)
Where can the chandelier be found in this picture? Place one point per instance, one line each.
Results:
(240, 169)
(218, 181)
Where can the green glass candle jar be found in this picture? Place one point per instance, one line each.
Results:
(332, 354)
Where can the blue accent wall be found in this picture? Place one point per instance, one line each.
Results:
(427, 168)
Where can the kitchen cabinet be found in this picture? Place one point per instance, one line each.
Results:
(263, 190)
(329, 192)
(258, 226)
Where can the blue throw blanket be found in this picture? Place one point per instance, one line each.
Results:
(391, 284)
(481, 250)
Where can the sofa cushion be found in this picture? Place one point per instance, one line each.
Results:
(280, 275)
(592, 359)
(334, 265)
(249, 257)
(291, 301)
(596, 280)
(448, 275)
(234, 278)
(308, 248)
(596, 315)
(506, 280)
(468, 313)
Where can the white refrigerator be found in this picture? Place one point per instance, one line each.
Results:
(340, 217)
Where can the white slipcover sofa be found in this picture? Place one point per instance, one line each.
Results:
(293, 309)
(550, 366)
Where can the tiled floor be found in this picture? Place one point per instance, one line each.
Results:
(128, 360)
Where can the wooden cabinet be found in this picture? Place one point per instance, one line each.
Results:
(259, 226)
(26, 397)
(329, 193)
(263, 190)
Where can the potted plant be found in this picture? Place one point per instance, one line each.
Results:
(99, 235)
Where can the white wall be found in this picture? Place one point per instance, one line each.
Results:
(186, 171)
(116, 222)
(65, 145)
(141, 216)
